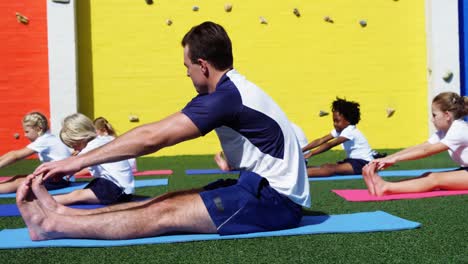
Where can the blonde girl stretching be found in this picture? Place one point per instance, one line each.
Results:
(113, 182)
(47, 146)
(448, 110)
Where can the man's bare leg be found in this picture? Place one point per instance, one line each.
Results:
(53, 205)
(180, 212)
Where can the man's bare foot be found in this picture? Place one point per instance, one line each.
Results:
(367, 172)
(221, 161)
(34, 216)
(46, 200)
(23, 192)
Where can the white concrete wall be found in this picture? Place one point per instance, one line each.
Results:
(62, 61)
(443, 48)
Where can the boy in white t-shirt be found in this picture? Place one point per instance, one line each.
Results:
(448, 110)
(346, 115)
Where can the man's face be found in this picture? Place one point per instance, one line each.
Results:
(194, 71)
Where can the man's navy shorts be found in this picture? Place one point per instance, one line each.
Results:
(249, 205)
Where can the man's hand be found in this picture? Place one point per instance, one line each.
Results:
(58, 168)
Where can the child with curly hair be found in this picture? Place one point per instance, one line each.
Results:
(346, 115)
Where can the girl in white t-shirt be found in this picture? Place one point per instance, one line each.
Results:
(346, 115)
(113, 182)
(448, 110)
(104, 128)
(47, 146)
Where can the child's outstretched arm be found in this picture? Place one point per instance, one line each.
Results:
(15, 155)
(420, 151)
(317, 142)
(326, 145)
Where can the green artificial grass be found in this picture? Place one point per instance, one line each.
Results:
(441, 239)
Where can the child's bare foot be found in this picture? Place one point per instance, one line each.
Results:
(379, 184)
(34, 216)
(221, 161)
(367, 172)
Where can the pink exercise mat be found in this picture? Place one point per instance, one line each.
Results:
(137, 173)
(4, 178)
(364, 196)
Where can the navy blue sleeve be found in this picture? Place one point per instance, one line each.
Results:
(209, 111)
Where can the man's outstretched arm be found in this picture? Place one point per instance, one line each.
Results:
(139, 141)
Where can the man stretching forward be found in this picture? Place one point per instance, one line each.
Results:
(255, 136)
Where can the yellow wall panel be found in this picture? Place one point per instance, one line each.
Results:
(131, 62)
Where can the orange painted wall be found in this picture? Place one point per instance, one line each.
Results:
(24, 80)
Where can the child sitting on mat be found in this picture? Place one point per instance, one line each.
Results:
(47, 146)
(346, 116)
(113, 182)
(448, 111)
(104, 128)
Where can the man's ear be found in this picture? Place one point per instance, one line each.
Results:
(204, 66)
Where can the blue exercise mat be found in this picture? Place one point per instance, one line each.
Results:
(346, 223)
(209, 171)
(12, 209)
(81, 185)
(385, 173)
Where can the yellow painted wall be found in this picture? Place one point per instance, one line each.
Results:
(130, 62)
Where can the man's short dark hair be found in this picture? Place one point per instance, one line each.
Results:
(209, 41)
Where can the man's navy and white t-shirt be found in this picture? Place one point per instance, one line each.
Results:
(255, 134)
